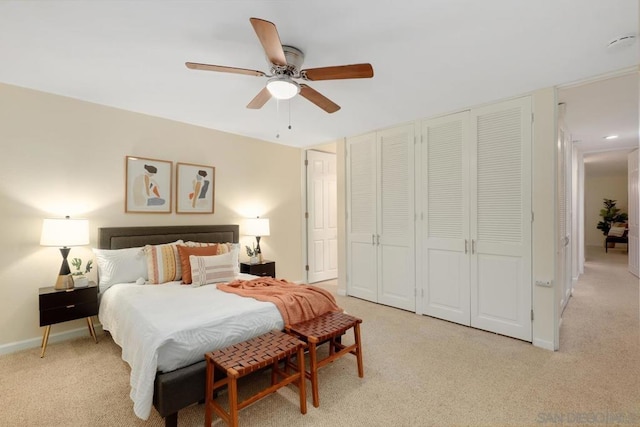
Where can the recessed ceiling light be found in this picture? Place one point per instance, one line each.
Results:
(611, 137)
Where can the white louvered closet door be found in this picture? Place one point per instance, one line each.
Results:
(361, 221)
(444, 259)
(395, 241)
(501, 218)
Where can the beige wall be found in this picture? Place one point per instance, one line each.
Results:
(545, 323)
(597, 188)
(62, 156)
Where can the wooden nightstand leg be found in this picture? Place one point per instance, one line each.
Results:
(92, 331)
(45, 340)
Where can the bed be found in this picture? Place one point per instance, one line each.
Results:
(175, 383)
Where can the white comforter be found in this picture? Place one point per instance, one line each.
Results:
(168, 326)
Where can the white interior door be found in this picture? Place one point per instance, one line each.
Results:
(322, 221)
(361, 217)
(396, 218)
(563, 254)
(634, 216)
(444, 263)
(501, 218)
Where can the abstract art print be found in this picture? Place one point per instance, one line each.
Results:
(147, 185)
(195, 188)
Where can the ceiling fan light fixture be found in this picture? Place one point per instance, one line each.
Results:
(282, 87)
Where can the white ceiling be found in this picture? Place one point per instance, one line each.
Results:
(429, 57)
(600, 108)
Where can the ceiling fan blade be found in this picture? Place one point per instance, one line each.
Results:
(319, 99)
(355, 71)
(223, 69)
(260, 99)
(268, 35)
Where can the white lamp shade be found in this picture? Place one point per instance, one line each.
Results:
(256, 227)
(62, 232)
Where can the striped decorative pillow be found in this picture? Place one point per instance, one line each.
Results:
(223, 248)
(212, 269)
(163, 262)
(185, 252)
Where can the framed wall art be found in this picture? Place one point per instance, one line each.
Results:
(147, 185)
(195, 188)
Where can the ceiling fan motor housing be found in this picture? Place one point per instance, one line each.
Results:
(294, 57)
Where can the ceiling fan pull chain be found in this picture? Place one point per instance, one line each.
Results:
(277, 118)
(289, 105)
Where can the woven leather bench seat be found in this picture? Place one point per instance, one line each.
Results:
(329, 327)
(246, 357)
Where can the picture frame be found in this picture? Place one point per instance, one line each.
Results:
(195, 188)
(148, 186)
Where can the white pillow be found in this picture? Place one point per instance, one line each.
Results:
(616, 231)
(214, 268)
(120, 266)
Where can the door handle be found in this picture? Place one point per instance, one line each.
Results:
(373, 239)
(473, 246)
(465, 246)
(378, 239)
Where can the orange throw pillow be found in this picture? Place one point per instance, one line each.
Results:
(185, 251)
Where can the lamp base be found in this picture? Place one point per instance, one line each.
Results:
(64, 281)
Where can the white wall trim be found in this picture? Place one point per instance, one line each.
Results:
(601, 77)
(14, 347)
(547, 345)
(303, 230)
(342, 292)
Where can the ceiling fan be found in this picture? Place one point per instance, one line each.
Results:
(285, 63)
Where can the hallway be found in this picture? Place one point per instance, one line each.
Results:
(603, 314)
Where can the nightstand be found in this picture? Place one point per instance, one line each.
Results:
(264, 268)
(68, 304)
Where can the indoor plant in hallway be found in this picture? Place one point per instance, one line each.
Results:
(610, 215)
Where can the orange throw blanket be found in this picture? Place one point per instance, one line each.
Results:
(296, 303)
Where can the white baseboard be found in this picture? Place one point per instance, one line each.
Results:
(547, 345)
(53, 338)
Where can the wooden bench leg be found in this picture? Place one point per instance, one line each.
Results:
(313, 368)
(208, 393)
(356, 332)
(302, 381)
(233, 399)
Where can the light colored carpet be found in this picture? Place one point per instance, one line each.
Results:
(419, 371)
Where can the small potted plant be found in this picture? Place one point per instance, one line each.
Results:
(78, 276)
(254, 256)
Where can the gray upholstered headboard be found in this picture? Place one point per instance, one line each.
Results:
(130, 237)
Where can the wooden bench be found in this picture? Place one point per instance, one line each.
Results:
(327, 328)
(246, 357)
(617, 239)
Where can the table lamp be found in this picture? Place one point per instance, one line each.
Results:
(257, 227)
(64, 232)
